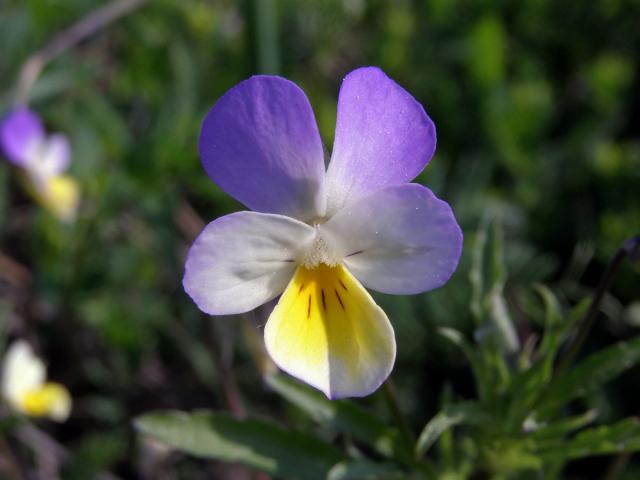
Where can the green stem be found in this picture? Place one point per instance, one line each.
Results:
(263, 18)
(85, 27)
(617, 467)
(12, 467)
(391, 397)
(631, 249)
(228, 380)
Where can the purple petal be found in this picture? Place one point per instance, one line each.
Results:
(383, 137)
(243, 260)
(260, 144)
(400, 240)
(20, 131)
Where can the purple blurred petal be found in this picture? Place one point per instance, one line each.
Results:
(400, 240)
(243, 260)
(20, 131)
(383, 137)
(260, 144)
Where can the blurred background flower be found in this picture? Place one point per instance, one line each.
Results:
(43, 159)
(24, 385)
(537, 108)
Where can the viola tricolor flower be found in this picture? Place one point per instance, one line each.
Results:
(25, 389)
(316, 235)
(43, 158)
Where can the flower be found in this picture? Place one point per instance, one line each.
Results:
(43, 158)
(317, 235)
(24, 387)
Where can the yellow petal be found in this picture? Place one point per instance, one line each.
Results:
(51, 400)
(328, 331)
(60, 194)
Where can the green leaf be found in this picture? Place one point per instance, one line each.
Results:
(256, 443)
(509, 455)
(565, 426)
(488, 276)
(446, 443)
(502, 322)
(553, 329)
(525, 391)
(576, 313)
(456, 337)
(4, 195)
(553, 314)
(365, 470)
(487, 51)
(343, 416)
(266, 36)
(498, 312)
(97, 451)
(476, 274)
(450, 416)
(621, 437)
(589, 375)
(528, 385)
(495, 253)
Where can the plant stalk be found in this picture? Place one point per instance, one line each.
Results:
(630, 248)
(83, 28)
(391, 397)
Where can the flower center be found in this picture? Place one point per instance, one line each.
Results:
(319, 252)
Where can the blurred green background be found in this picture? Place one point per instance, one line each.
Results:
(537, 107)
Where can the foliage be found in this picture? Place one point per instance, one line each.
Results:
(536, 105)
(523, 423)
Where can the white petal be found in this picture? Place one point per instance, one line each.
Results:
(49, 157)
(57, 154)
(61, 405)
(243, 260)
(400, 240)
(22, 372)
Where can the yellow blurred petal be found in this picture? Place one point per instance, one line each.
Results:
(59, 194)
(327, 331)
(51, 400)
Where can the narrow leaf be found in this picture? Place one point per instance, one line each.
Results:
(476, 274)
(591, 374)
(450, 416)
(475, 361)
(343, 416)
(553, 332)
(565, 426)
(256, 443)
(496, 265)
(502, 322)
(365, 470)
(530, 385)
(621, 437)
